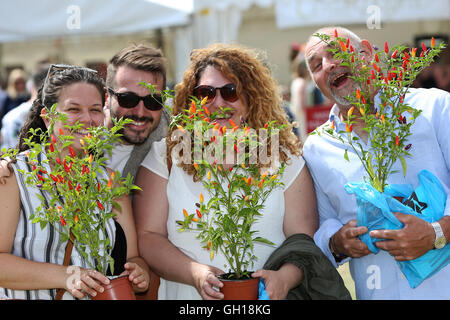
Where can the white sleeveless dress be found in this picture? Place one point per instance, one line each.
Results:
(183, 193)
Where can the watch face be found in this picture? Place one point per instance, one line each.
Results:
(440, 242)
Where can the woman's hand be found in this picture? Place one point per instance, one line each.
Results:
(205, 278)
(138, 277)
(278, 283)
(85, 281)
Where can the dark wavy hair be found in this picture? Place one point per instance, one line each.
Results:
(48, 95)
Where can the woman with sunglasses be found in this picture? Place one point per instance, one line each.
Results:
(235, 78)
(31, 258)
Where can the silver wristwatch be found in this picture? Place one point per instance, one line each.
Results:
(440, 240)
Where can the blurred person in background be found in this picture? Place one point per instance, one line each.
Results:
(12, 122)
(17, 92)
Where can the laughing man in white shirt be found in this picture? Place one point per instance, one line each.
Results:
(376, 276)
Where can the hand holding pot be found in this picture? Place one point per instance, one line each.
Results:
(138, 277)
(85, 281)
(205, 278)
(279, 282)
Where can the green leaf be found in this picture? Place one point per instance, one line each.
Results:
(346, 155)
(402, 160)
(263, 240)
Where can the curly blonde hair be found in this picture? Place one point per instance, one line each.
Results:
(246, 69)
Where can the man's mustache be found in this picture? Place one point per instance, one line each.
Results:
(139, 119)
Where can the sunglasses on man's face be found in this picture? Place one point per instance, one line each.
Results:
(129, 100)
(228, 92)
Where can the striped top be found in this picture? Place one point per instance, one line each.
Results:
(41, 245)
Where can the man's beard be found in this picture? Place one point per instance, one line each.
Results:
(132, 136)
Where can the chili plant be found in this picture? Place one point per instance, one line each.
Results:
(79, 196)
(390, 74)
(237, 192)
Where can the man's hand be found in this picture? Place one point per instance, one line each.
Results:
(415, 238)
(346, 240)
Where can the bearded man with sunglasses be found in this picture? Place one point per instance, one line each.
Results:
(128, 99)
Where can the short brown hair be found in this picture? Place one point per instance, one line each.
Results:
(139, 57)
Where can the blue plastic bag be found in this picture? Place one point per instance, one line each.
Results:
(262, 290)
(375, 211)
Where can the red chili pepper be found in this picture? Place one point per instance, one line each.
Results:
(358, 94)
(348, 128)
(58, 161)
(236, 148)
(63, 222)
(72, 153)
(363, 100)
(99, 205)
(61, 132)
(375, 66)
(66, 167)
(53, 138)
(61, 179)
(78, 187)
(386, 48)
(199, 214)
(192, 109)
(40, 177)
(54, 178)
(98, 186)
(432, 42)
(406, 56)
(335, 33)
(405, 64)
(394, 54)
(70, 185)
(397, 142)
(372, 73)
(377, 59)
(424, 47)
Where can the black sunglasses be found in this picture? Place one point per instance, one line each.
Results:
(228, 92)
(130, 100)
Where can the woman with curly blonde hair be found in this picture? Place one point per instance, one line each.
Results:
(235, 78)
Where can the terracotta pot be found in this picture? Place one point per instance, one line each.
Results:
(118, 289)
(246, 289)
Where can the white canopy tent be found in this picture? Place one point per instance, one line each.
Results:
(300, 13)
(197, 22)
(22, 20)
